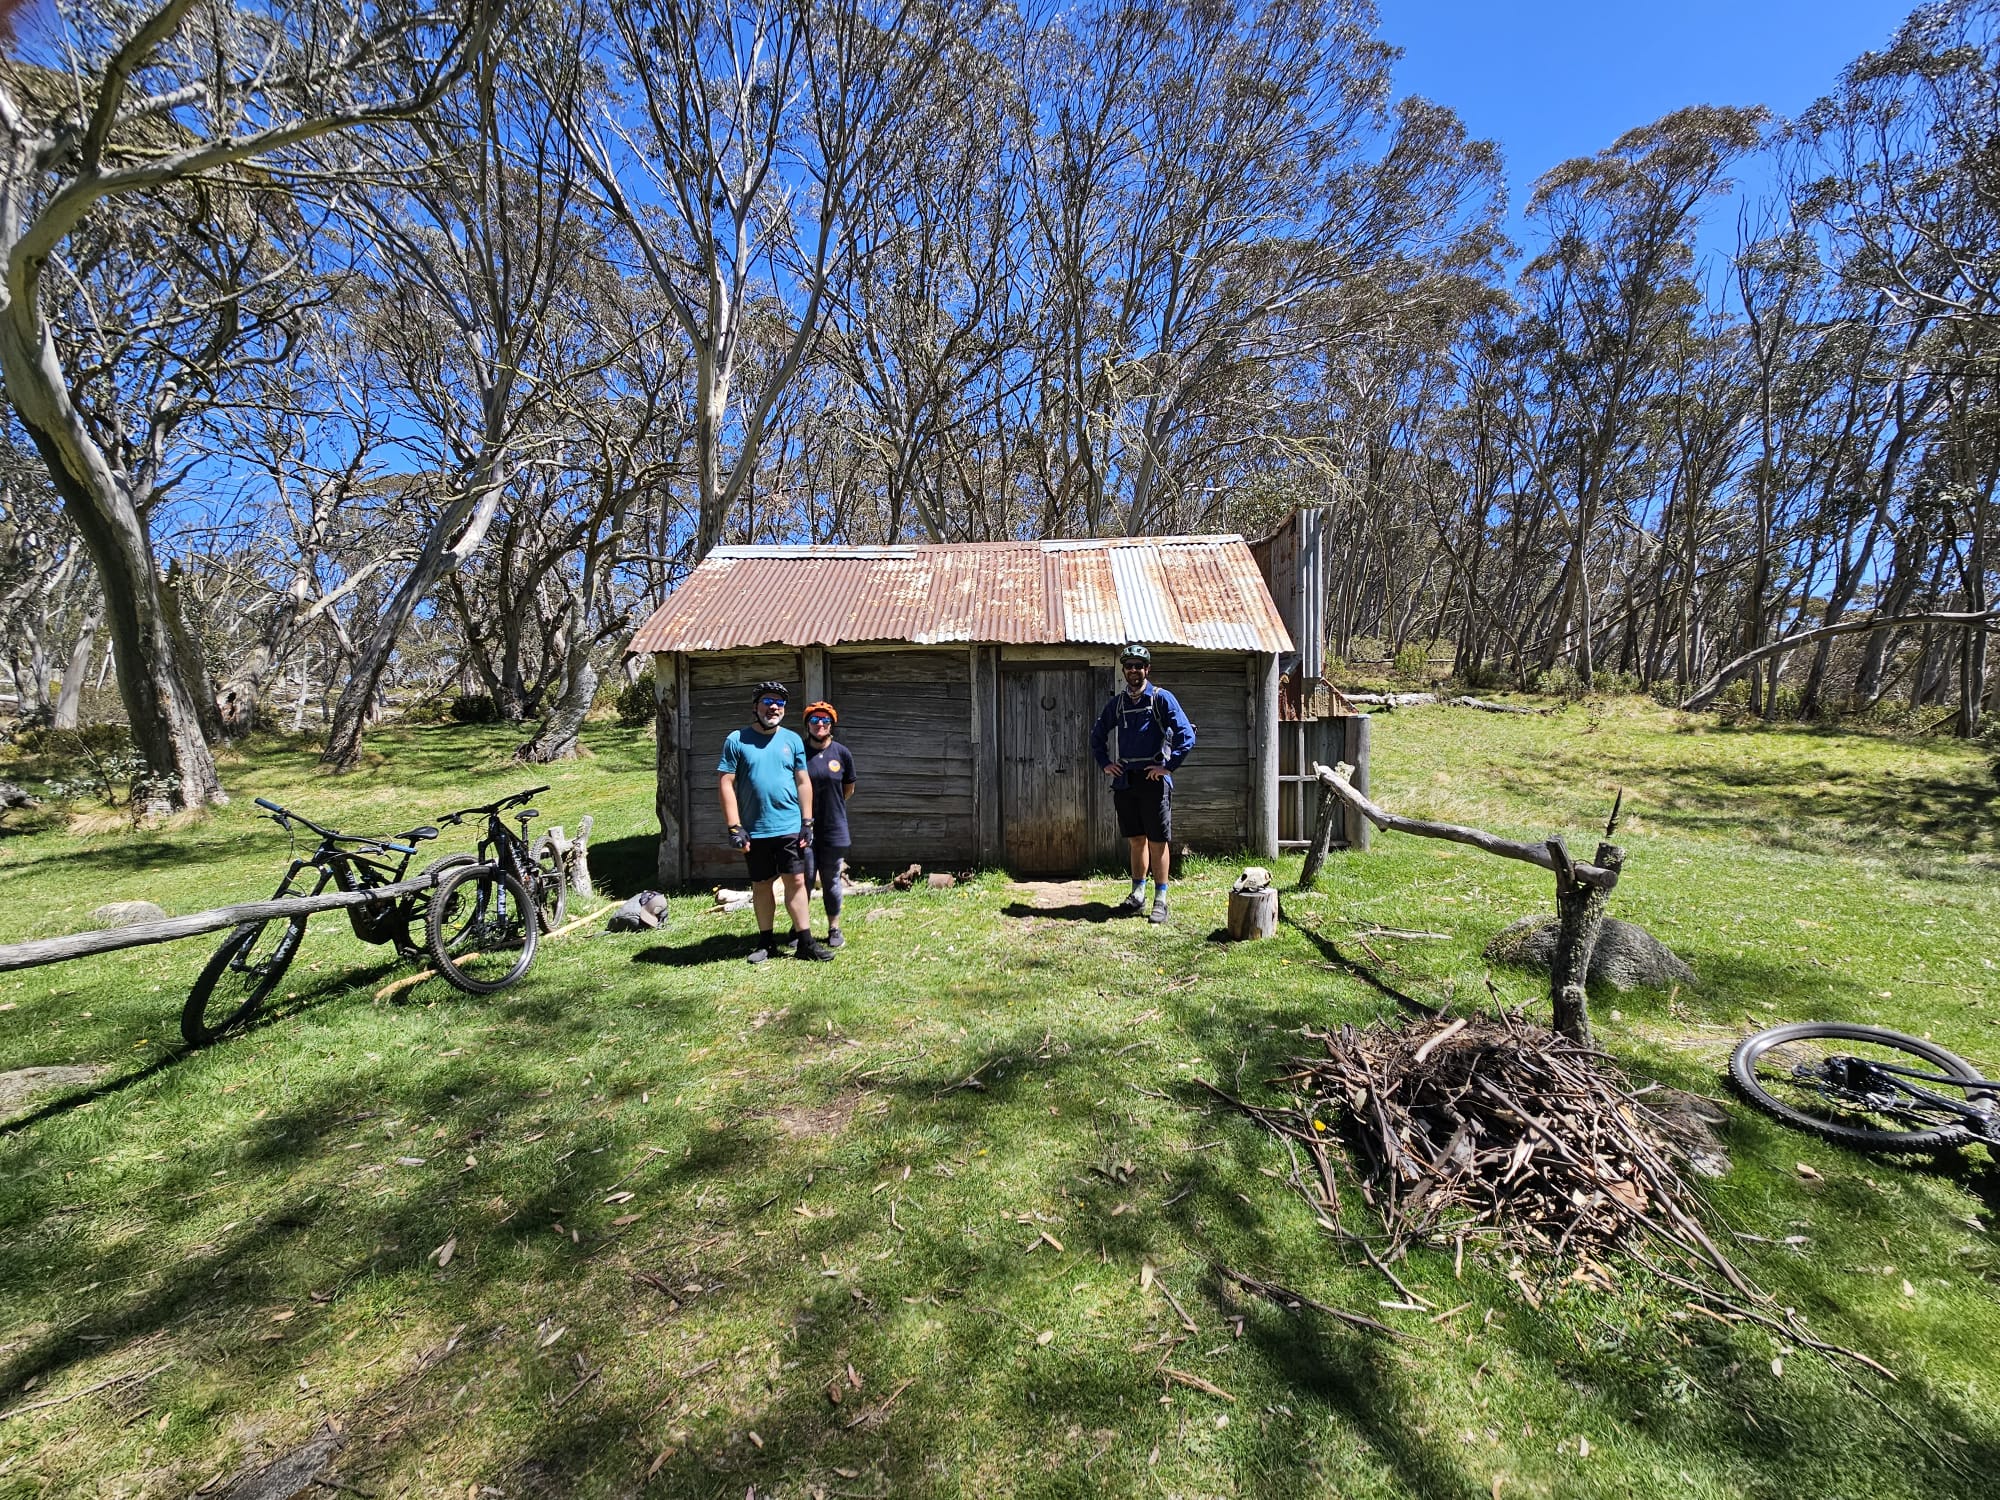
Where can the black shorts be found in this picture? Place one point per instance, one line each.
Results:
(775, 856)
(1145, 808)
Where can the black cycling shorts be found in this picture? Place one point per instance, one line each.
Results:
(1145, 809)
(775, 856)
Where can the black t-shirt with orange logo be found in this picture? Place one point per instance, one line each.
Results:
(831, 770)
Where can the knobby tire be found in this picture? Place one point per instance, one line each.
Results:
(1829, 1125)
(500, 915)
(238, 978)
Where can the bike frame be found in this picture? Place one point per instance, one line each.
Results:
(354, 870)
(1894, 1077)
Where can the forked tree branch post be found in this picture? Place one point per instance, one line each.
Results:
(1581, 889)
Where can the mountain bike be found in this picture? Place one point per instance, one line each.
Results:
(485, 918)
(253, 958)
(1867, 1087)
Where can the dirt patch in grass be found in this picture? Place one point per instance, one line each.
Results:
(1053, 894)
(23, 1084)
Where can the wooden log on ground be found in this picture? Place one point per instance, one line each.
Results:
(1253, 914)
(1393, 700)
(88, 944)
(1335, 777)
(1487, 706)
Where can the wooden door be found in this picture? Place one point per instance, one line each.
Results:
(1045, 768)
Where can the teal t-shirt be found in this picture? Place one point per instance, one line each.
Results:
(766, 768)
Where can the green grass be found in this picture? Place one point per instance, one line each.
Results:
(811, 1194)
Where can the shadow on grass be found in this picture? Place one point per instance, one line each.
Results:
(331, 988)
(627, 866)
(1078, 911)
(717, 947)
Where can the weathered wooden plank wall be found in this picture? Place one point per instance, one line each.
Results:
(907, 716)
(1212, 791)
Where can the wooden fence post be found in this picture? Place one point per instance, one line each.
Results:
(1579, 919)
(1332, 812)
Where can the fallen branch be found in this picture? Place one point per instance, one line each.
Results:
(1393, 700)
(1486, 706)
(89, 1390)
(1293, 1301)
(139, 934)
(1704, 695)
(1336, 778)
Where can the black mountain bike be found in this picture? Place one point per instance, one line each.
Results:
(485, 918)
(1866, 1087)
(254, 957)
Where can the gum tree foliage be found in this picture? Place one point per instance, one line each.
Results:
(150, 257)
(657, 276)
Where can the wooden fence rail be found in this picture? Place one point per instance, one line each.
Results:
(1581, 888)
(139, 934)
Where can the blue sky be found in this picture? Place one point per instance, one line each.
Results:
(1560, 78)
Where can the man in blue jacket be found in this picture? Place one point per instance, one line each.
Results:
(1154, 737)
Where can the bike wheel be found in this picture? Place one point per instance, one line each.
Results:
(239, 978)
(412, 948)
(481, 929)
(1800, 1074)
(551, 883)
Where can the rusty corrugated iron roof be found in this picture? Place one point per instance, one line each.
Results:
(1201, 591)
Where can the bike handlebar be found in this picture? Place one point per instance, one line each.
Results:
(490, 808)
(285, 817)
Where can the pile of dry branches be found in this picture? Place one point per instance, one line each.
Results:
(1492, 1122)
(1499, 1131)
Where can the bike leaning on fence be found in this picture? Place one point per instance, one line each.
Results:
(253, 958)
(1867, 1087)
(485, 917)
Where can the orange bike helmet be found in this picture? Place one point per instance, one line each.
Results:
(830, 711)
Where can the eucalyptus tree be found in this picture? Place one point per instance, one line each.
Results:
(473, 258)
(1221, 194)
(1602, 301)
(148, 246)
(737, 144)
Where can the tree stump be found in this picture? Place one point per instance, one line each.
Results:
(1253, 914)
(1580, 917)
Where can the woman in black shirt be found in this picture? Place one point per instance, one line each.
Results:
(831, 768)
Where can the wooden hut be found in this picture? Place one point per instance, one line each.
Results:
(967, 678)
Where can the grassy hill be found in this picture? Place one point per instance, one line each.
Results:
(878, 1226)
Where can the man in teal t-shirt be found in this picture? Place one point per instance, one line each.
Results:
(763, 780)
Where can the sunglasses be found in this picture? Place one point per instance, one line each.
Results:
(770, 702)
(819, 719)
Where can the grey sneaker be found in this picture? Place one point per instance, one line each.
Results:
(1159, 912)
(767, 946)
(835, 938)
(1131, 906)
(810, 948)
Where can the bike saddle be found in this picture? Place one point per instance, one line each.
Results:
(528, 812)
(418, 835)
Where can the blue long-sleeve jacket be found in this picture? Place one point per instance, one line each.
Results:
(1152, 730)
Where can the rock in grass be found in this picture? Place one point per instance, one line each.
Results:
(127, 914)
(1627, 956)
(642, 913)
(23, 1084)
(11, 796)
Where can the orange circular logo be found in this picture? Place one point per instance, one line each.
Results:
(833, 765)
